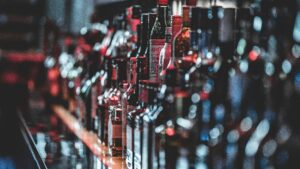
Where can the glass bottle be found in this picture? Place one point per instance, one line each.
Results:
(157, 38)
(142, 74)
(172, 29)
(181, 43)
(115, 111)
(151, 89)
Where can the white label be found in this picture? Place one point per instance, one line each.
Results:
(155, 47)
(129, 154)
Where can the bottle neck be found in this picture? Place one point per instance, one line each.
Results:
(158, 30)
(132, 73)
(138, 35)
(144, 37)
(142, 72)
(186, 17)
(113, 83)
(176, 26)
(162, 14)
(143, 95)
(169, 34)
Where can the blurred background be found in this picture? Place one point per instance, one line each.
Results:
(35, 35)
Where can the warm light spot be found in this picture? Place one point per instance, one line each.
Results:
(53, 74)
(170, 131)
(204, 95)
(253, 55)
(54, 89)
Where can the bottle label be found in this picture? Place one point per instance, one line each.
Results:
(114, 131)
(142, 68)
(176, 30)
(137, 141)
(155, 47)
(117, 131)
(137, 161)
(114, 74)
(133, 69)
(143, 94)
(129, 148)
(145, 145)
(168, 34)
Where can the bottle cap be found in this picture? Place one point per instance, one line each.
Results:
(144, 18)
(191, 2)
(136, 11)
(162, 2)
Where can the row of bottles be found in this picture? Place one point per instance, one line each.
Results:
(189, 86)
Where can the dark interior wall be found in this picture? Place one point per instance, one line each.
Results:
(20, 23)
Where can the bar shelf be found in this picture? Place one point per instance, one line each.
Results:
(89, 138)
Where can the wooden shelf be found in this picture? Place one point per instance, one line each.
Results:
(90, 139)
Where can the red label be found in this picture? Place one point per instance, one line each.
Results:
(114, 74)
(176, 26)
(143, 94)
(117, 131)
(155, 47)
(133, 69)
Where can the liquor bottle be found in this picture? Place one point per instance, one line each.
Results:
(157, 38)
(110, 83)
(129, 90)
(151, 88)
(142, 69)
(118, 49)
(94, 66)
(142, 74)
(134, 23)
(98, 81)
(175, 143)
(166, 53)
(112, 97)
(146, 53)
(181, 43)
(121, 38)
(133, 156)
(115, 111)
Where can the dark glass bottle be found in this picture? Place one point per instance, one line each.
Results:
(129, 90)
(172, 29)
(115, 111)
(103, 99)
(142, 74)
(181, 43)
(133, 156)
(157, 38)
(165, 53)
